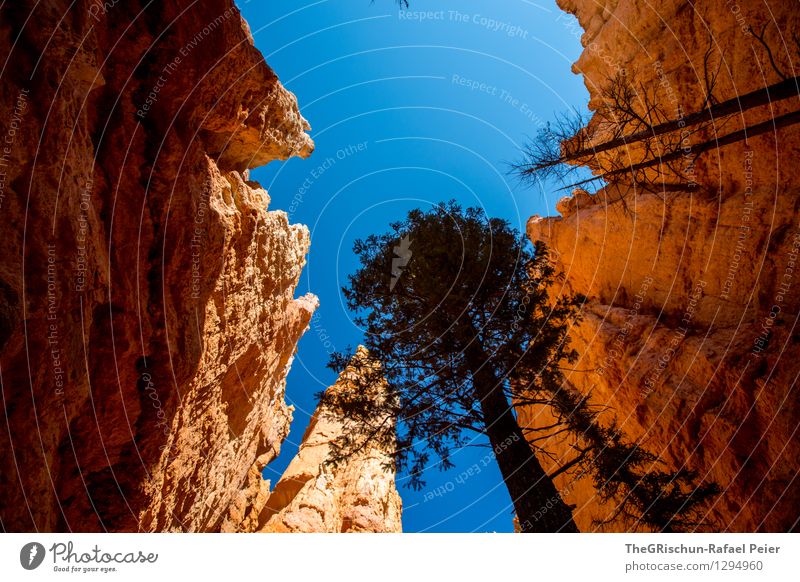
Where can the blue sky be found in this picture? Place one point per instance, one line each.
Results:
(408, 108)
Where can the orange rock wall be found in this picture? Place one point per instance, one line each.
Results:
(314, 496)
(147, 309)
(690, 330)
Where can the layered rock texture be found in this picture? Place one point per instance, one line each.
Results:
(690, 329)
(313, 495)
(147, 309)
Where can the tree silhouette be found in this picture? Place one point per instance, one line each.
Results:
(460, 329)
(624, 473)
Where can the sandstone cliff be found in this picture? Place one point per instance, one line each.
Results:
(689, 332)
(147, 310)
(314, 496)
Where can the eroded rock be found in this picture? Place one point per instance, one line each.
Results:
(315, 496)
(147, 309)
(689, 330)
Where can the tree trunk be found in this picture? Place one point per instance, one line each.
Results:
(538, 505)
(771, 94)
(769, 126)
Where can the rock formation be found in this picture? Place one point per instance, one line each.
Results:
(147, 310)
(690, 328)
(315, 496)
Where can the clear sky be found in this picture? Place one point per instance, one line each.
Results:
(408, 108)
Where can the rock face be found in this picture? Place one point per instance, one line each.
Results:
(312, 496)
(147, 310)
(690, 329)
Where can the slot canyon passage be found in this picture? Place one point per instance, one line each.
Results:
(153, 293)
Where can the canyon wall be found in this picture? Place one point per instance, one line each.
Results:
(147, 309)
(689, 334)
(314, 495)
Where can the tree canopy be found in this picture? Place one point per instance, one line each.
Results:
(454, 307)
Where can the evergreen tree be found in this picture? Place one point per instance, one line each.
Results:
(455, 310)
